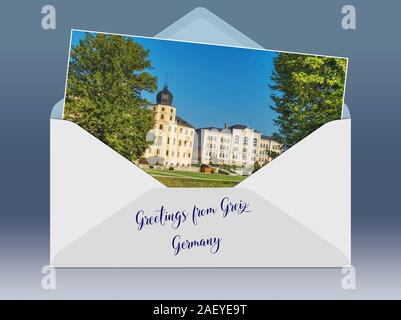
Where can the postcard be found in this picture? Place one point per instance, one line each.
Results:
(195, 115)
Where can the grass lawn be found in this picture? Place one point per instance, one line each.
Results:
(191, 179)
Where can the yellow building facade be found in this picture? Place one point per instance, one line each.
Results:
(173, 136)
(267, 146)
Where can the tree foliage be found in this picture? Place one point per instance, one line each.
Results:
(256, 166)
(308, 92)
(106, 76)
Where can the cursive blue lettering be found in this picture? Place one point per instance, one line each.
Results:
(212, 242)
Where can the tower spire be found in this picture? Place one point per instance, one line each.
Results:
(166, 84)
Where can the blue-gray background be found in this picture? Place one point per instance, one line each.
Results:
(32, 75)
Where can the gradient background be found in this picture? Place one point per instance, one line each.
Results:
(32, 75)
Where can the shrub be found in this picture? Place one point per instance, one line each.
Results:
(151, 167)
(171, 168)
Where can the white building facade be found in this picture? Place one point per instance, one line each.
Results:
(237, 145)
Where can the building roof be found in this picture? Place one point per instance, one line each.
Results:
(242, 127)
(182, 122)
(164, 97)
(210, 128)
(238, 126)
(266, 137)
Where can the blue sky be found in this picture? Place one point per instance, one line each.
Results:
(212, 85)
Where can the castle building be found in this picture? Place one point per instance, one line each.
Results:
(173, 136)
(237, 145)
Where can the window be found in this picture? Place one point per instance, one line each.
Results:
(172, 153)
(192, 133)
(166, 152)
(236, 140)
(162, 109)
(185, 143)
(161, 127)
(189, 155)
(178, 154)
(174, 141)
(179, 142)
(171, 118)
(245, 150)
(246, 141)
(168, 140)
(162, 116)
(169, 128)
(158, 151)
(171, 110)
(255, 142)
(180, 130)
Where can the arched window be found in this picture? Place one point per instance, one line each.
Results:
(236, 139)
(246, 141)
(255, 142)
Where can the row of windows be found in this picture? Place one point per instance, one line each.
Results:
(222, 139)
(175, 130)
(226, 155)
(273, 147)
(235, 149)
(246, 141)
(163, 109)
(162, 117)
(237, 140)
(172, 153)
(180, 143)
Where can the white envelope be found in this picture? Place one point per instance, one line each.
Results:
(301, 201)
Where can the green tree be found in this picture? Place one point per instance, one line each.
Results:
(273, 154)
(106, 77)
(308, 92)
(256, 166)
